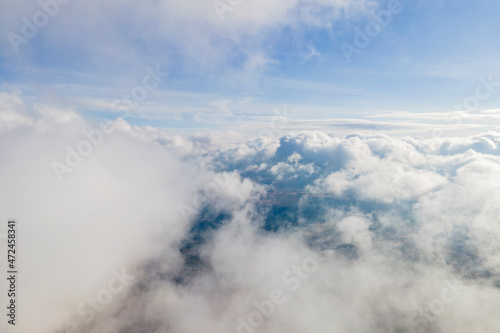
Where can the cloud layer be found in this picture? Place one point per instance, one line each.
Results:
(309, 232)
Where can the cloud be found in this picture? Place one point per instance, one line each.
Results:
(125, 34)
(117, 208)
(309, 232)
(13, 111)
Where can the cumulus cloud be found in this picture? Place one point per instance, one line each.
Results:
(309, 232)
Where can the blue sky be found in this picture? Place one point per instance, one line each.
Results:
(263, 55)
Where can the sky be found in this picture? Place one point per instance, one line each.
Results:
(231, 66)
(250, 166)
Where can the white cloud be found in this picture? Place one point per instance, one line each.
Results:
(14, 113)
(115, 32)
(363, 233)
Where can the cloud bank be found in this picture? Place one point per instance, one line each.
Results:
(308, 232)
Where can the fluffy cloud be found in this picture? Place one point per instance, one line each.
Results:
(310, 232)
